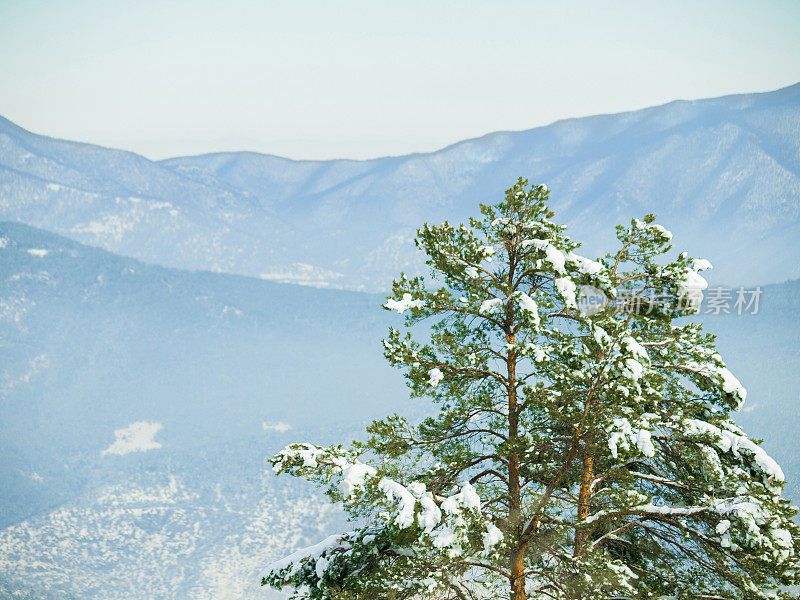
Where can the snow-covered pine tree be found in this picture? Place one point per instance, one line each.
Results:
(580, 450)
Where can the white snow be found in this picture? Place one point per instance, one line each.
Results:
(535, 350)
(528, 304)
(492, 537)
(585, 265)
(279, 426)
(472, 272)
(635, 349)
(645, 443)
(722, 376)
(622, 434)
(436, 377)
(691, 287)
(729, 441)
(308, 453)
(297, 559)
(466, 498)
(405, 501)
(633, 369)
(404, 304)
(566, 289)
(664, 233)
(753, 516)
(430, 516)
(553, 255)
(670, 510)
(600, 335)
(40, 252)
(491, 306)
(488, 252)
(136, 437)
(353, 476)
(701, 264)
(731, 385)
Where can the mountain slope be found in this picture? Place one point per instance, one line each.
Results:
(223, 371)
(723, 174)
(92, 342)
(124, 202)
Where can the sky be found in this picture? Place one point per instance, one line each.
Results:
(331, 79)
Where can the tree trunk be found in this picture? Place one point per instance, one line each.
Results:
(517, 578)
(583, 501)
(517, 555)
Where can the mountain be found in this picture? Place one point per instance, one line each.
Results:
(723, 174)
(138, 403)
(93, 342)
(137, 406)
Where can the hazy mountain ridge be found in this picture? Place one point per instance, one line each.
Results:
(724, 168)
(723, 174)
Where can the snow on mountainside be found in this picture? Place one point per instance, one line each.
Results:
(193, 379)
(162, 534)
(723, 175)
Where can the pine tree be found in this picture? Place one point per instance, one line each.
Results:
(581, 449)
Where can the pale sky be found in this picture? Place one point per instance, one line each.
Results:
(358, 79)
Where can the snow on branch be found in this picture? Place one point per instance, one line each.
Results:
(740, 446)
(403, 304)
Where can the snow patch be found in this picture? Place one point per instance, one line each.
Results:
(354, 475)
(488, 252)
(136, 437)
(436, 377)
(403, 305)
(406, 502)
(528, 305)
(553, 255)
(566, 289)
(303, 274)
(691, 285)
(729, 441)
(491, 306)
(585, 265)
(279, 426)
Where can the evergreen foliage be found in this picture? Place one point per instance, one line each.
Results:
(580, 450)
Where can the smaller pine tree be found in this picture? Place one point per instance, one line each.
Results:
(580, 450)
